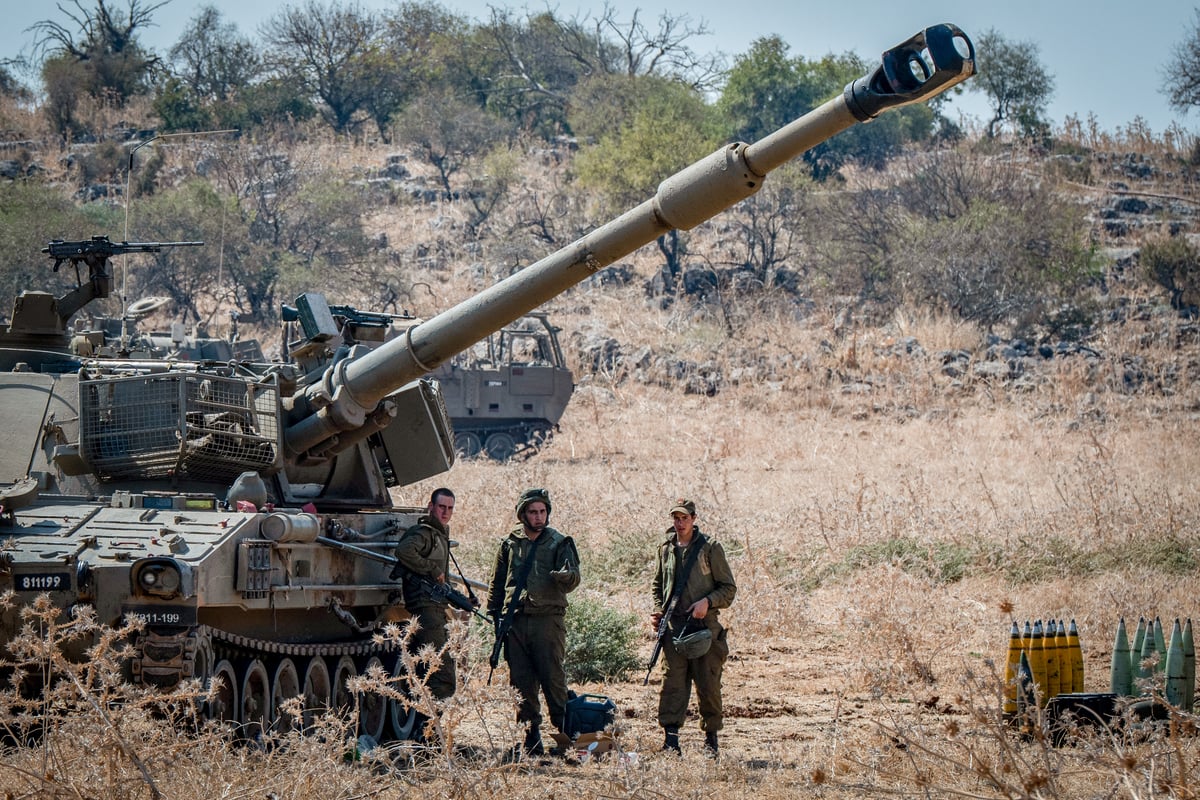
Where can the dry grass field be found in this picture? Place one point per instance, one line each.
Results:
(882, 544)
(885, 523)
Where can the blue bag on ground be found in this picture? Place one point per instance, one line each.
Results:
(588, 713)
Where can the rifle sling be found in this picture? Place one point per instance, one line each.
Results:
(522, 579)
(682, 579)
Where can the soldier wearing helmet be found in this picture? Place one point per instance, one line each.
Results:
(697, 651)
(536, 566)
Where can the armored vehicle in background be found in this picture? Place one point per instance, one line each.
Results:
(44, 334)
(195, 344)
(242, 510)
(506, 394)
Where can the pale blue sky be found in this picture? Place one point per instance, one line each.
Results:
(1107, 58)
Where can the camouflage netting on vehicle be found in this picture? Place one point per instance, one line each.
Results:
(189, 425)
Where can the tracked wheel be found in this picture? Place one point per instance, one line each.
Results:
(317, 691)
(223, 706)
(372, 707)
(256, 700)
(401, 715)
(284, 685)
(468, 444)
(343, 699)
(500, 446)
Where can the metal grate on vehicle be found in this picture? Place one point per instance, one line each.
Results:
(177, 424)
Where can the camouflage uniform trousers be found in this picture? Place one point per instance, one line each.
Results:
(536, 651)
(680, 673)
(441, 679)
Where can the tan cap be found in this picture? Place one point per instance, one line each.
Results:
(686, 506)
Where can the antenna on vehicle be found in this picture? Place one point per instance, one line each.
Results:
(129, 199)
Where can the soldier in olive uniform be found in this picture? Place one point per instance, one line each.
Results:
(424, 550)
(707, 587)
(535, 648)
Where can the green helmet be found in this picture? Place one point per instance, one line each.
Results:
(533, 496)
(694, 644)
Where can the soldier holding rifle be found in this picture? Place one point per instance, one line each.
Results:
(692, 580)
(536, 566)
(422, 564)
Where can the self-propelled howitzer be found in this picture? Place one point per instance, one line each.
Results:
(202, 496)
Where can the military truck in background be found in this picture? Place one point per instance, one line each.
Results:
(506, 394)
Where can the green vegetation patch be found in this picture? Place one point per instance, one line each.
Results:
(601, 641)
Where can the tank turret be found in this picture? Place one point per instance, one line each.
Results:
(203, 496)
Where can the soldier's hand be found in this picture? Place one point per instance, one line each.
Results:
(655, 619)
(699, 609)
(562, 576)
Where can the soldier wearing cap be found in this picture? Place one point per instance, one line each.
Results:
(707, 587)
(536, 646)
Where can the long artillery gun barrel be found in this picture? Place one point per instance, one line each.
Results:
(914, 71)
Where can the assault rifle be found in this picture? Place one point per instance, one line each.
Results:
(660, 636)
(664, 623)
(504, 626)
(502, 629)
(452, 596)
(442, 591)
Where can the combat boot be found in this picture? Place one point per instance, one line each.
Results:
(710, 745)
(533, 742)
(671, 741)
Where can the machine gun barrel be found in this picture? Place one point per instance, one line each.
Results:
(914, 71)
(95, 252)
(103, 247)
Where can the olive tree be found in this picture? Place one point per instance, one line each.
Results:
(666, 128)
(1016, 83)
(327, 50)
(447, 131)
(421, 49)
(96, 55)
(527, 69)
(768, 88)
(211, 66)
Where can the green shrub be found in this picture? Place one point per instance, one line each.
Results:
(627, 558)
(943, 562)
(601, 642)
(1174, 264)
